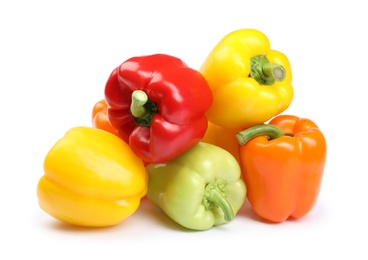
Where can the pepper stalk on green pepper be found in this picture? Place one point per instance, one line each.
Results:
(199, 189)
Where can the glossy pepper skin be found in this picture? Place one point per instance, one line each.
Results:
(100, 120)
(158, 105)
(199, 189)
(222, 137)
(91, 178)
(282, 165)
(250, 82)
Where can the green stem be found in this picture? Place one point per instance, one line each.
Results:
(275, 71)
(265, 72)
(139, 99)
(142, 108)
(215, 196)
(271, 131)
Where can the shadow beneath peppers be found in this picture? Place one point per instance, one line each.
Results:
(65, 227)
(146, 211)
(61, 226)
(247, 211)
(159, 216)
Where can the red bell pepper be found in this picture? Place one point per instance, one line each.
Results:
(158, 105)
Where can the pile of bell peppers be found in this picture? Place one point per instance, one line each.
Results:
(196, 143)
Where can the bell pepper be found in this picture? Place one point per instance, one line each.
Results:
(158, 104)
(199, 189)
(91, 178)
(250, 82)
(222, 137)
(100, 119)
(282, 164)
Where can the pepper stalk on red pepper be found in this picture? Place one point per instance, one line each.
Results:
(158, 104)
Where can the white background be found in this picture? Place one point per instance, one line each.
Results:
(55, 57)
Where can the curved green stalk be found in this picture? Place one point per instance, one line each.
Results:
(215, 196)
(271, 131)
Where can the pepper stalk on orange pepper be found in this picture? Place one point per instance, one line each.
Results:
(282, 165)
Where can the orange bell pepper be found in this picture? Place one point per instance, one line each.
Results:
(223, 138)
(100, 119)
(282, 165)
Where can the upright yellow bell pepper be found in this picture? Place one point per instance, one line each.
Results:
(250, 82)
(91, 178)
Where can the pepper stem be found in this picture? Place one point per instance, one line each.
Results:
(142, 108)
(215, 196)
(271, 131)
(274, 70)
(139, 98)
(266, 72)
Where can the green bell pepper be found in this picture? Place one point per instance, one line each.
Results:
(199, 189)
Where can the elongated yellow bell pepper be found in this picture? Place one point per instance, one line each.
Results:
(250, 82)
(91, 178)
